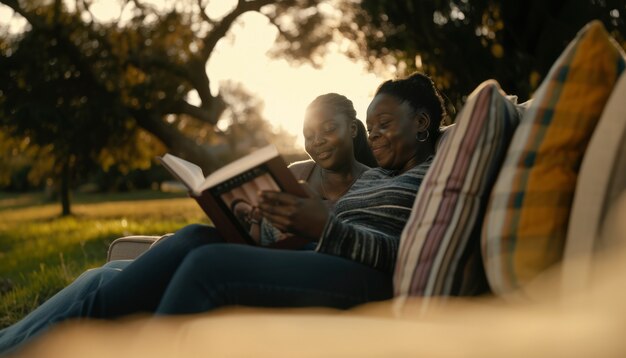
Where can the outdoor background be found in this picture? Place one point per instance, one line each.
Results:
(92, 90)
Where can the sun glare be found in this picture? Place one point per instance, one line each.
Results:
(285, 89)
(242, 57)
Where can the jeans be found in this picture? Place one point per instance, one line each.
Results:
(91, 289)
(139, 288)
(63, 302)
(183, 274)
(227, 274)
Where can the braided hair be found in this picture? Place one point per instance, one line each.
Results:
(340, 104)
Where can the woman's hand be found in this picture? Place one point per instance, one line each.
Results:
(305, 217)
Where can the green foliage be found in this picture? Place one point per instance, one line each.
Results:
(17, 155)
(98, 95)
(66, 87)
(41, 253)
(461, 43)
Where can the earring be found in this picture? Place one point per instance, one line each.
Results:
(420, 136)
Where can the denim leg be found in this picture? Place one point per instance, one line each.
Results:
(140, 286)
(228, 274)
(37, 321)
(117, 264)
(110, 292)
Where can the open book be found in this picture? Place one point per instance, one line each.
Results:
(229, 196)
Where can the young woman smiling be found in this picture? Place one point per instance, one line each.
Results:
(335, 140)
(357, 244)
(337, 143)
(357, 241)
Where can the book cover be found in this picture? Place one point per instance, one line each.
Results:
(229, 196)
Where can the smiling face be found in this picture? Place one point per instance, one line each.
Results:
(328, 138)
(392, 127)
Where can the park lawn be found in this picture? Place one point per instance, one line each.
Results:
(41, 252)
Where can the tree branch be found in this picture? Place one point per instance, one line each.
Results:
(183, 107)
(33, 20)
(211, 108)
(226, 22)
(203, 13)
(159, 62)
(81, 6)
(201, 82)
(57, 11)
(143, 7)
(178, 143)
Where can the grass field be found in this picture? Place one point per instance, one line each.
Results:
(41, 252)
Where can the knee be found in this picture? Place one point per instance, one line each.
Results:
(97, 276)
(105, 275)
(196, 231)
(199, 257)
(211, 261)
(117, 264)
(195, 235)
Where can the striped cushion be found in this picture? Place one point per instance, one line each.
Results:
(440, 245)
(526, 222)
(602, 178)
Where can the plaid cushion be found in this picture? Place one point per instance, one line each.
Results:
(602, 178)
(440, 246)
(526, 222)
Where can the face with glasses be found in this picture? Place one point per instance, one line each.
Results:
(392, 126)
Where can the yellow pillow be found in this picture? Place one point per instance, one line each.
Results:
(526, 223)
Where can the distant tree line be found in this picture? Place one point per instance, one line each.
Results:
(79, 98)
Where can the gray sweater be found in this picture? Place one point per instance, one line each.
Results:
(368, 220)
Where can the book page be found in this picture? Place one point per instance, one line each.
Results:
(239, 166)
(188, 173)
(240, 195)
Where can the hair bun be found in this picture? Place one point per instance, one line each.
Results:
(420, 91)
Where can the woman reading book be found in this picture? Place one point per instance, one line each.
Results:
(337, 143)
(335, 140)
(357, 242)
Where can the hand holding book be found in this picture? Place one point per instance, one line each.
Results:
(229, 196)
(303, 216)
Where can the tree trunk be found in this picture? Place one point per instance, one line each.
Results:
(207, 157)
(65, 190)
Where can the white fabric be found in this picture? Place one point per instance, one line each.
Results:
(602, 176)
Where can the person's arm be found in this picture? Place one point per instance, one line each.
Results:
(367, 230)
(304, 217)
(371, 237)
(376, 249)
